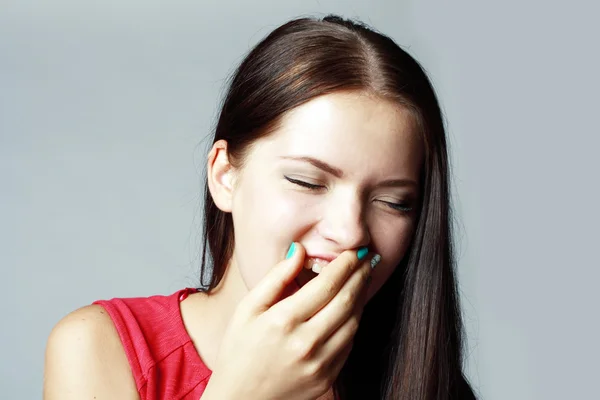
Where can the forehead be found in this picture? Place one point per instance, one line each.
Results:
(352, 131)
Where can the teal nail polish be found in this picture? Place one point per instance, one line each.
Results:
(291, 250)
(362, 252)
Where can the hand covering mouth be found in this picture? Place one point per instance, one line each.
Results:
(312, 267)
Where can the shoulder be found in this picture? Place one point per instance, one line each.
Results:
(85, 358)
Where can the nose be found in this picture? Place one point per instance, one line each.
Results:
(344, 223)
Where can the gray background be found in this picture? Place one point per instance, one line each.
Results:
(104, 107)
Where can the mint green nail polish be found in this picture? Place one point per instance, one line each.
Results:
(291, 250)
(362, 252)
(375, 260)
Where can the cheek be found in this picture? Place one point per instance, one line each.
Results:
(393, 249)
(266, 222)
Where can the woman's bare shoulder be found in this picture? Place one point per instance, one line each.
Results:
(85, 359)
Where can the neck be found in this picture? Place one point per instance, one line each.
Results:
(206, 315)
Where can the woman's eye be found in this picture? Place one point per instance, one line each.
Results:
(402, 207)
(304, 184)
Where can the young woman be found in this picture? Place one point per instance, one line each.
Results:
(326, 205)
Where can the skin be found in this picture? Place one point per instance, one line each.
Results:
(366, 140)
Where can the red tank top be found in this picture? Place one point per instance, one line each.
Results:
(161, 354)
(162, 357)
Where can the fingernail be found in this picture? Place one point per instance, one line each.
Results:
(291, 250)
(362, 252)
(375, 260)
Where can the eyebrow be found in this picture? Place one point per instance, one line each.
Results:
(338, 173)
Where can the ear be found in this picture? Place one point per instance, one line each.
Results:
(220, 176)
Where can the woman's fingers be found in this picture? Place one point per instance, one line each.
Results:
(269, 290)
(348, 304)
(335, 336)
(332, 357)
(317, 293)
(338, 362)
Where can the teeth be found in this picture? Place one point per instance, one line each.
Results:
(316, 268)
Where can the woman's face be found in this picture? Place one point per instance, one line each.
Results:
(338, 174)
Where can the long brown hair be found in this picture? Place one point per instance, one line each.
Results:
(409, 343)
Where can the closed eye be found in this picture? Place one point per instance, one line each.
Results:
(402, 207)
(304, 184)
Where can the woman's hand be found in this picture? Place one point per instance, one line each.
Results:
(291, 349)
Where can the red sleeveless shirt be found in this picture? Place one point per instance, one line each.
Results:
(161, 354)
(162, 357)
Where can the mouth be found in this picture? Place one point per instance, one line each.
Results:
(312, 267)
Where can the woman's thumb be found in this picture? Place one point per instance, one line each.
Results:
(270, 288)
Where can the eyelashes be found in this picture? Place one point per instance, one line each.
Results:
(404, 208)
(304, 184)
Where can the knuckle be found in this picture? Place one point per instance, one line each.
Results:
(325, 384)
(329, 381)
(302, 348)
(282, 323)
(353, 325)
(330, 288)
(346, 300)
(322, 387)
(314, 371)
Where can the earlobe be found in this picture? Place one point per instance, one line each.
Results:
(219, 173)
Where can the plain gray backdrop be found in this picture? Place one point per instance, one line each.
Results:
(104, 112)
